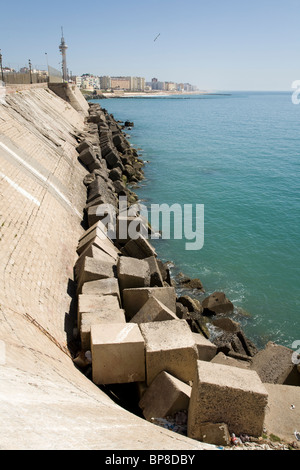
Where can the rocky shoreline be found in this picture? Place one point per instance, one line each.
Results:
(123, 289)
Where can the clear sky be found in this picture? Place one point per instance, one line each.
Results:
(214, 44)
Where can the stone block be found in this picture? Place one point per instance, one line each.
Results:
(96, 318)
(165, 396)
(217, 303)
(153, 310)
(108, 286)
(156, 279)
(215, 433)
(221, 358)
(92, 251)
(274, 365)
(118, 353)
(104, 213)
(206, 349)
(225, 394)
(170, 347)
(134, 299)
(96, 303)
(94, 269)
(139, 248)
(132, 228)
(87, 156)
(133, 273)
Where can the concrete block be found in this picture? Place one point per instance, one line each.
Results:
(96, 318)
(165, 396)
(217, 303)
(130, 227)
(87, 156)
(96, 303)
(221, 358)
(153, 310)
(274, 365)
(104, 213)
(134, 299)
(118, 353)
(104, 243)
(108, 286)
(170, 347)
(206, 349)
(215, 433)
(94, 269)
(225, 394)
(139, 248)
(133, 273)
(92, 251)
(156, 279)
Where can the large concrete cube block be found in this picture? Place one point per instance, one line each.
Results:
(206, 349)
(96, 303)
(118, 353)
(230, 395)
(134, 299)
(153, 310)
(156, 279)
(165, 396)
(92, 251)
(139, 248)
(93, 269)
(274, 364)
(108, 286)
(96, 318)
(170, 347)
(133, 273)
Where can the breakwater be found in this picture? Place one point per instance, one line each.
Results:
(144, 305)
(47, 400)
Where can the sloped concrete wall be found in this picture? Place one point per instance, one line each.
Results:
(45, 402)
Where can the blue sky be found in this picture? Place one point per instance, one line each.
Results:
(214, 44)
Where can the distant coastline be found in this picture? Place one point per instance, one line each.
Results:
(152, 94)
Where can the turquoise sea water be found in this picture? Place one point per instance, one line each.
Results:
(239, 155)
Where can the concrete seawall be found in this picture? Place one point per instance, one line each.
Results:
(45, 402)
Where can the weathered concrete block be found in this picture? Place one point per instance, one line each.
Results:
(109, 286)
(153, 310)
(132, 228)
(92, 251)
(87, 156)
(134, 299)
(104, 213)
(156, 279)
(224, 394)
(96, 303)
(93, 269)
(133, 273)
(215, 433)
(165, 396)
(217, 303)
(139, 248)
(170, 347)
(206, 349)
(221, 358)
(104, 244)
(96, 318)
(118, 353)
(274, 365)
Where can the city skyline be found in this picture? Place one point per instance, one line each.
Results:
(216, 45)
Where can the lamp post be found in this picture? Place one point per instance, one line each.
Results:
(30, 76)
